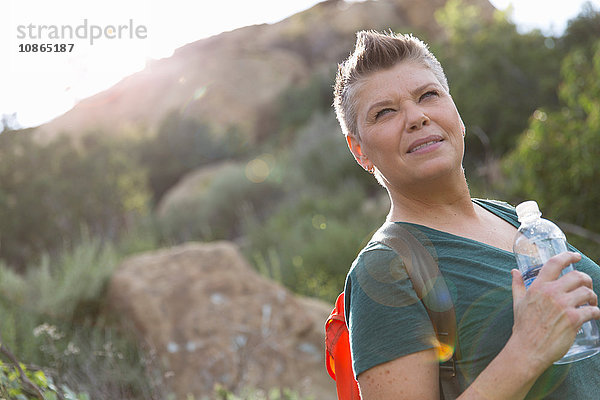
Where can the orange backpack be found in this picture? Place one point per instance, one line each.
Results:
(431, 288)
(337, 358)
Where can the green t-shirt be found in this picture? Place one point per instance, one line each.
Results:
(386, 319)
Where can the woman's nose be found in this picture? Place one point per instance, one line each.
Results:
(416, 118)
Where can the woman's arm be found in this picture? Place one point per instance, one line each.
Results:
(547, 318)
(414, 376)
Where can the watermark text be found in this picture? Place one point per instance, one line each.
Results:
(90, 32)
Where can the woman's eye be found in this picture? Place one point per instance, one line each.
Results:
(381, 113)
(431, 93)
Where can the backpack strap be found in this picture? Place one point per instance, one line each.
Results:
(431, 288)
(337, 353)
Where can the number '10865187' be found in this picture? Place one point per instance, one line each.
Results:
(46, 48)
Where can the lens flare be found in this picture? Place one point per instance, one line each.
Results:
(319, 221)
(443, 351)
(257, 170)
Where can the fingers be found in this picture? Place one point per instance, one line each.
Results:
(518, 286)
(575, 286)
(554, 266)
(575, 279)
(587, 313)
(582, 296)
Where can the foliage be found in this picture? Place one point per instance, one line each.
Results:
(67, 290)
(295, 107)
(100, 360)
(310, 239)
(181, 145)
(140, 236)
(49, 192)
(584, 30)
(313, 257)
(215, 212)
(221, 393)
(12, 387)
(53, 316)
(556, 158)
(497, 76)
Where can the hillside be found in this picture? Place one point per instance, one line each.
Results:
(234, 78)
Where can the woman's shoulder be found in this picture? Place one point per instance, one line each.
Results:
(500, 208)
(383, 246)
(374, 251)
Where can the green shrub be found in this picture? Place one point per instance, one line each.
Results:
(99, 359)
(142, 235)
(221, 393)
(12, 385)
(310, 238)
(555, 162)
(215, 212)
(319, 157)
(53, 316)
(310, 241)
(497, 75)
(182, 145)
(297, 105)
(67, 289)
(47, 192)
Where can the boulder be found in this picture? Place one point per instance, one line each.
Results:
(211, 319)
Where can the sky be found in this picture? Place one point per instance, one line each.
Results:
(96, 43)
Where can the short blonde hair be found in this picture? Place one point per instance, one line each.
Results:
(375, 51)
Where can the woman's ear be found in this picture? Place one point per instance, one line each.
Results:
(359, 156)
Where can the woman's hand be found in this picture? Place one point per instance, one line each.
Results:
(549, 314)
(547, 318)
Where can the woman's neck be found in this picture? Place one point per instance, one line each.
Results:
(436, 204)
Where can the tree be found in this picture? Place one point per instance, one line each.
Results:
(497, 76)
(48, 193)
(584, 30)
(180, 146)
(556, 160)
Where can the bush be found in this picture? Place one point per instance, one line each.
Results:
(319, 157)
(278, 123)
(182, 145)
(48, 192)
(497, 76)
(216, 211)
(310, 241)
(311, 237)
(555, 161)
(12, 385)
(220, 393)
(53, 316)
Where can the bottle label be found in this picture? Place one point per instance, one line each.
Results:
(529, 276)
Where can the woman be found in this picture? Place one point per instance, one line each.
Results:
(393, 104)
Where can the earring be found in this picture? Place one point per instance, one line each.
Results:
(371, 170)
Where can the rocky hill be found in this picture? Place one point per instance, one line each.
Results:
(234, 78)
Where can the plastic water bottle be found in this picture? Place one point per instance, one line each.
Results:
(537, 240)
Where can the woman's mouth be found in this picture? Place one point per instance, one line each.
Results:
(424, 145)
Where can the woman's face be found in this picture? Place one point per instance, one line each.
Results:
(410, 129)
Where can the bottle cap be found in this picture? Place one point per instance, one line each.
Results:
(528, 209)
